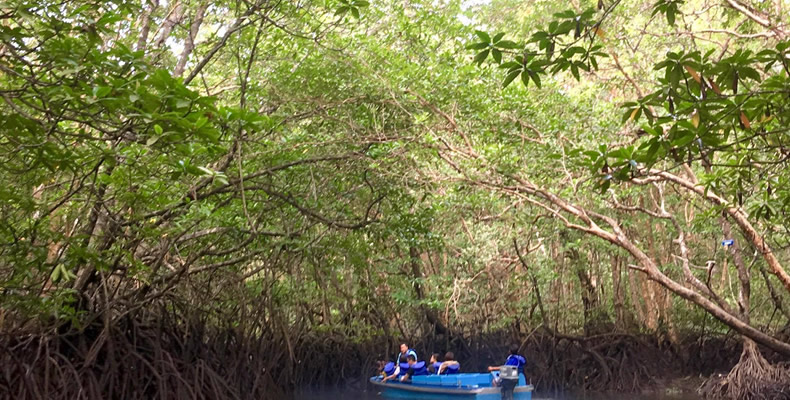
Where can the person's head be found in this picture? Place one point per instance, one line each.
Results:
(404, 348)
(434, 357)
(514, 349)
(411, 359)
(449, 356)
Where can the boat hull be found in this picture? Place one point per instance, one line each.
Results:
(397, 390)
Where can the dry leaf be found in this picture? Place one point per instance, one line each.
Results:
(633, 114)
(693, 74)
(599, 32)
(695, 119)
(745, 121)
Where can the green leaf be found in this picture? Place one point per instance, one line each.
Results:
(535, 78)
(483, 36)
(525, 79)
(507, 44)
(565, 14)
(101, 91)
(497, 55)
(688, 137)
(481, 56)
(510, 77)
(158, 129)
(183, 103)
(355, 12)
(511, 64)
(478, 46)
(498, 37)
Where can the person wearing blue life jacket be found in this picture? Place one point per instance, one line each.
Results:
(414, 368)
(404, 352)
(400, 364)
(449, 366)
(513, 359)
(434, 364)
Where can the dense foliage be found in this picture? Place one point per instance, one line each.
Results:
(274, 178)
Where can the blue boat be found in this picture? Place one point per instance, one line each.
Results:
(451, 387)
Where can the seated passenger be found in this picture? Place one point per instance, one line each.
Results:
(415, 368)
(449, 366)
(387, 369)
(513, 359)
(433, 365)
(391, 371)
(400, 363)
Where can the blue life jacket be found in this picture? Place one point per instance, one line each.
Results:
(436, 366)
(517, 361)
(404, 368)
(419, 368)
(389, 368)
(452, 369)
(401, 358)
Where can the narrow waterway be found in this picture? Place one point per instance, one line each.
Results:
(372, 394)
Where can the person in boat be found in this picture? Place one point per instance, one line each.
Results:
(388, 368)
(405, 351)
(513, 359)
(400, 364)
(449, 365)
(415, 368)
(434, 364)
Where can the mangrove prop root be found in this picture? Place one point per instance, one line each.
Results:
(752, 378)
(175, 357)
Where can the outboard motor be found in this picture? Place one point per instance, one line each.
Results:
(508, 375)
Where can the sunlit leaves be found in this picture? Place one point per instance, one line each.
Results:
(491, 45)
(669, 8)
(351, 7)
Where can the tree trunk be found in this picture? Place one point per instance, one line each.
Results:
(430, 314)
(189, 42)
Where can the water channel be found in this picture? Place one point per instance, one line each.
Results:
(372, 394)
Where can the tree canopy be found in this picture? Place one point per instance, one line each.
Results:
(294, 174)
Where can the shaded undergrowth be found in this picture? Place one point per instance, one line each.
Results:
(165, 358)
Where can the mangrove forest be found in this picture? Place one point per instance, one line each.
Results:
(238, 199)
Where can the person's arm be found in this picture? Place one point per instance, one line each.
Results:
(393, 376)
(493, 369)
(408, 375)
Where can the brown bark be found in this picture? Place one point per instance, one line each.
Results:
(618, 295)
(430, 315)
(189, 42)
(174, 17)
(145, 24)
(740, 218)
(559, 207)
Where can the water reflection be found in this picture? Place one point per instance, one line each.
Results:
(372, 394)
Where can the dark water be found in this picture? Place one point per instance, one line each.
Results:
(372, 394)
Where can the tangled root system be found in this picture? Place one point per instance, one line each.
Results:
(753, 378)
